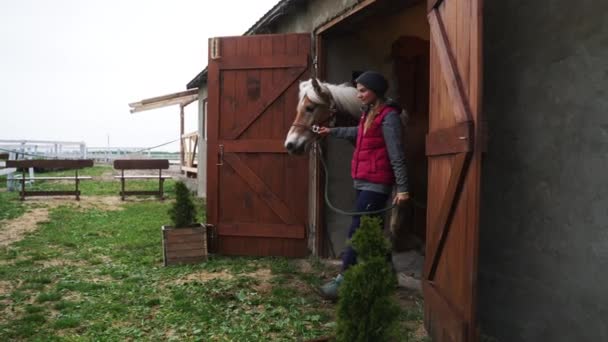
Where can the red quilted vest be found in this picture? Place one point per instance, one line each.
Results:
(370, 160)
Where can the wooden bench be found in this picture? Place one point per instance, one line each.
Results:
(75, 164)
(141, 164)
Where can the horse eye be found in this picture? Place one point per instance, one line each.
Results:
(310, 108)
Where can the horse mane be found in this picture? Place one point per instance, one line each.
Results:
(344, 95)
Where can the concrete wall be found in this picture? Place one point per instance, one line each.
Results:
(312, 15)
(544, 217)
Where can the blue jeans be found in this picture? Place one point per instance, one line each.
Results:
(366, 201)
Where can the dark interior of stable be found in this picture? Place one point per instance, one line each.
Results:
(395, 43)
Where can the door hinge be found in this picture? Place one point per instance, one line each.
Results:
(220, 155)
(214, 48)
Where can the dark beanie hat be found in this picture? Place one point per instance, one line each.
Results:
(374, 81)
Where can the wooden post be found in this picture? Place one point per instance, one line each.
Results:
(181, 136)
(122, 185)
(77, 180)
(160, 184)
(23, 184)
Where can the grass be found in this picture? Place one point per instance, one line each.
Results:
(95, 274)
(10, 206)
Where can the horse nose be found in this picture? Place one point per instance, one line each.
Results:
(289, 146)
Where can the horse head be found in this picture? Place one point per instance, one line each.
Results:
(318, 104)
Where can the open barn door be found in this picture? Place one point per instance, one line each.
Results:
(453, 148)
(257, 195)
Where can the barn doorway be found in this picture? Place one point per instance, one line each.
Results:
(391, 37)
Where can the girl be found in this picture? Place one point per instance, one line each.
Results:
(378, 161)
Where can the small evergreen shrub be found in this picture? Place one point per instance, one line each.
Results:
(367, 310)
(183, 212)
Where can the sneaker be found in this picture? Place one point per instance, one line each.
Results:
(330, 290)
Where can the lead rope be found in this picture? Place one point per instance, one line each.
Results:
(351, 213)
(331, 206)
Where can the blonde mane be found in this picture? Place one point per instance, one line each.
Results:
(344, 95)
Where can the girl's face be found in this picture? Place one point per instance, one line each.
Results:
(366, 96)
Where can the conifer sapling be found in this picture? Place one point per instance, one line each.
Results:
(183, 212)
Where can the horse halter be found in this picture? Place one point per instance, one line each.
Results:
(316, 126)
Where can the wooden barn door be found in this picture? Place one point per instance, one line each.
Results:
(453, 148)
(257, 194)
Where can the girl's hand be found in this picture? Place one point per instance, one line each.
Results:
(323, 131)
(401, 198)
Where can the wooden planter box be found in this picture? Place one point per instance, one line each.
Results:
(186, 245)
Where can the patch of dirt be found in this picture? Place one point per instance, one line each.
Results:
(14, 230)
(101, 279)
(8, 262)
(109, 203)
(108, 176)
(262, 274)
(104, 259)
(263, 277)
(61, 262)
(420, 333)
(204, 276)
(73, 297)
(5, 287)
(304, 266)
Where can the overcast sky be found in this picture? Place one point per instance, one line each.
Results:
(69, 68)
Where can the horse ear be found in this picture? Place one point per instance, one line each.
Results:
(317, 87)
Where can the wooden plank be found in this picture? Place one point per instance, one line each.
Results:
(445, 321)
(456, 139)
(52, 193)
(186, 253)
(253, 146)
(141, 164)
(197, 230)
(140, 192)
(257, 246)
(355, 9)
(50, 163)
(172, 238)
(191, 134)
(213, 111)
(142, 177)
(243, 62)
(264, 103)
(189, 169)
(3, 156)
(462, 112)
(432, 4)
(189, 245)
(275, 203)
(448, 205)
(291, 231)
(186, 260)
(188, 92)
(57, 178)
(165, 103)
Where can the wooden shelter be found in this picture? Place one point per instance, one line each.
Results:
(188, 141)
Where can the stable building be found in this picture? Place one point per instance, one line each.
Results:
(506, 145)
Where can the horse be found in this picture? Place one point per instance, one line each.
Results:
(318, 104)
